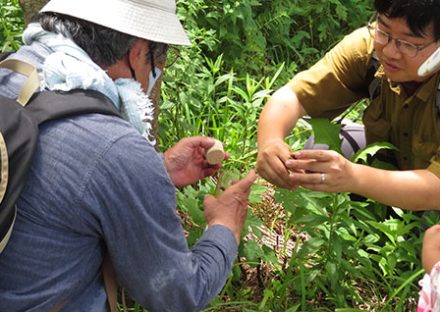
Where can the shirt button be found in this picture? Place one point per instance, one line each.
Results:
(405, 134)
(405, 106)
(405, 158)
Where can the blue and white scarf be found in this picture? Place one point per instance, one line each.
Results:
(69, 67)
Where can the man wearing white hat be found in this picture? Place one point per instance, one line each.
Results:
(96, 185)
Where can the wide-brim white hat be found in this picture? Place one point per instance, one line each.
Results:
(154, 20)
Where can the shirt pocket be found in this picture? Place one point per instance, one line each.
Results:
(423, 152)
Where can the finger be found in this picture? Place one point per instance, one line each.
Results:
(316, 187)
(199, 141)
(309, 178)
(246, 183)
(209, 172)
(275, 172)
(274, 178)
(209, 201)
(302, 165)
(205, 142)
(319, 155)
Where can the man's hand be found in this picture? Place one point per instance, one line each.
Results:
(230, 208)
(186, 163)
(324, 171)
(271, 160)
(431, 248)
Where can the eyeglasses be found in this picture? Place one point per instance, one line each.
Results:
(404, 47)
(160, 53)
(173, 55)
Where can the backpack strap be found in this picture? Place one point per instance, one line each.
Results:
(374, 83)
(51, 105)
(8, 211)
(28, 70)
(37, 109)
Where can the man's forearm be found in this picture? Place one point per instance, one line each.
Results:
(279, 116)
(413, 190)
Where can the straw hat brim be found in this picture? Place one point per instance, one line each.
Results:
(142, 19)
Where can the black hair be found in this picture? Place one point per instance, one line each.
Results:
(419, 14)
(104, 45)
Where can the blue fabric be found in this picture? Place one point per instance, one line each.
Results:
(97, 186)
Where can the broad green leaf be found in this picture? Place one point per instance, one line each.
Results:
(326, 132)
(254, 223)
(371, 150)
(269, 255)
(257, 191)
(252, 251)
(363, 253)
(371, 239)
(383, 165)
(313, 219)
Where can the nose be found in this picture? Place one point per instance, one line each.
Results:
(391, 50)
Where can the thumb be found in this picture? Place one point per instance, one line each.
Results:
(209, 201)
(200, 141)
(245, 183)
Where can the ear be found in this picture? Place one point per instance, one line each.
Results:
(137, 53)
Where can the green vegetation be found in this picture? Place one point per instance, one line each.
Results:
(11, 25)
(303, 251)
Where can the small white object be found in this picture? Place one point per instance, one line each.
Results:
(431, 65)
(215, 154)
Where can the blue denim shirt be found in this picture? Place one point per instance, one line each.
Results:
(96, 186)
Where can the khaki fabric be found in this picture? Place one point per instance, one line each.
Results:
(4, 167)
(412, 123)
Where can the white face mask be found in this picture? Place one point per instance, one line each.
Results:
(152, 80)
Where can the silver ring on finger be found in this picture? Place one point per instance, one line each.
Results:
(322, 181)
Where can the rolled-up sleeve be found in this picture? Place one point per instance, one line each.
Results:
(434, 167)
(327, 88)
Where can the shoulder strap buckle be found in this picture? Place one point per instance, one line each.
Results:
(28, 70)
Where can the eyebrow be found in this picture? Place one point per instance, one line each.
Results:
(409, 34)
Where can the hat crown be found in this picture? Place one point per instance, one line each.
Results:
(154, 20)
(165, 5)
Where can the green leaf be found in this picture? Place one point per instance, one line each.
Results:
(383, 165)
(326, 132)
(254, 223)
(371, 150)
(252, 251)
(257, 191)
(226, 178)
(313, 219)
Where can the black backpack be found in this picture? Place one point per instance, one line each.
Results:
(19, 121)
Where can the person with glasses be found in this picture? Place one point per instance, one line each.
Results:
(99, 201)
(401, 36)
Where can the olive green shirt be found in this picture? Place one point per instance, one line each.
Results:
(412, 124)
